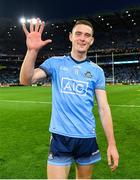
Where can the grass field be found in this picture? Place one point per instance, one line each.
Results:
(24, 138)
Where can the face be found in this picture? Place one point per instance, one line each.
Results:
(81, 38)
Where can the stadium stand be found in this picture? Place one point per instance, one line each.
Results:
(116, 48)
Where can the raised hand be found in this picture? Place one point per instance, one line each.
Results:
(33, 38)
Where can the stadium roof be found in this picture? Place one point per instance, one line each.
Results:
(56, 10)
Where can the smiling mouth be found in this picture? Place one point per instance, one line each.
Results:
(81, 44)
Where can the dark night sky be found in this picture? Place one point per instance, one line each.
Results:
(61, 9)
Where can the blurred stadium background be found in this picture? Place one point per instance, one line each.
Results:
(25, 111)
(116, 48)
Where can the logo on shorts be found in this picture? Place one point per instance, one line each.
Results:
(50, 157)
(72, 86)
(96, 152)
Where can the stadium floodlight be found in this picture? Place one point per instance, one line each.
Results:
(127, 12)
(33, 20)
(28, 20)
(23, 20)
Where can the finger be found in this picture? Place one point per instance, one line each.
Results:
(25, 29)
(37, 25)
(42, 27)
(31, 26)
(115, 165)
(47, 42)
(109, 160)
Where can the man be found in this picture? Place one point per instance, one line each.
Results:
(75, 81)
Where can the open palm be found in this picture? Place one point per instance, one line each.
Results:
(33, 38)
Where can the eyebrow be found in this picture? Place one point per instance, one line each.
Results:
(85, 33)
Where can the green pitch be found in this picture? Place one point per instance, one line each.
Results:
(24, 138)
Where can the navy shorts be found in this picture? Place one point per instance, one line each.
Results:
(64, 150)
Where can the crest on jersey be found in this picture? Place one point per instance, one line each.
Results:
(88, 74)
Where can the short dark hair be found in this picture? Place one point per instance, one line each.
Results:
(85, 22)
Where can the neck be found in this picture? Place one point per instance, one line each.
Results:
(78, 56)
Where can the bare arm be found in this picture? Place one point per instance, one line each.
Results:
(28, 73)
(106, 119)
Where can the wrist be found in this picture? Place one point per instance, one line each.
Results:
(112, 144)
(32, 51)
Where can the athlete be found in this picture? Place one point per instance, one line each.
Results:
(75, 82)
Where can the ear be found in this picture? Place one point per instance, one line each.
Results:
(70, 36)
(92, 41)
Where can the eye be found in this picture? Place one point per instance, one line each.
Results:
(88, 35)
(77, 33)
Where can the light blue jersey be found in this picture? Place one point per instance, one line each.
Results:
(73, 89)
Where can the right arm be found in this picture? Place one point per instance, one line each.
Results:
(28, 73)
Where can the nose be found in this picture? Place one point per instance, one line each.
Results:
(82, 37)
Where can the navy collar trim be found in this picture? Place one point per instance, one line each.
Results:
(78, 62)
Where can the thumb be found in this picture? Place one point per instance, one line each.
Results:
(109, 159)
(47, 42)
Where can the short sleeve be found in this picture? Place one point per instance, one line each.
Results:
(47, 66)
(100, 83)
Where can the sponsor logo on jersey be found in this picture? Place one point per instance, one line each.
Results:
(72, 86)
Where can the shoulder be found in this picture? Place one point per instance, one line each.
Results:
(95, 66)
(57, 58)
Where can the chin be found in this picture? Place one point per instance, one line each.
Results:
(82, 51)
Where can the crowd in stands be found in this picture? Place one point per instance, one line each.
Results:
(115, 35)
(9, 77)
(123, 74)
(129, 74)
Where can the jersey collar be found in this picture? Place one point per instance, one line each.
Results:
(78, 62)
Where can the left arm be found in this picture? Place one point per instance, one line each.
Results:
(106, 120)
